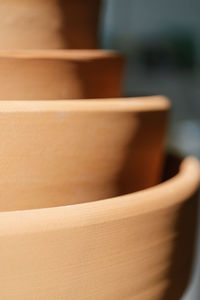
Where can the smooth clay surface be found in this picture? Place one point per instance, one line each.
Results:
(49, 24)
(60, 74)
(57, 153)
(137, 246)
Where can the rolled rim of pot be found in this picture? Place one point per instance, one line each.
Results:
(169, 193)
(68, 54)
(136, 104)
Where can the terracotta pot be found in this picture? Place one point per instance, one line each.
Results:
(35, 24)
(56, 153)
(136, 246)
(60, 74)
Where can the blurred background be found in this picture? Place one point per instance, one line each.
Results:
(161, 40)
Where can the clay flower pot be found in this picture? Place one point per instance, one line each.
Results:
(136, 246)
(57, 153)
(49, 24)
(60, 74)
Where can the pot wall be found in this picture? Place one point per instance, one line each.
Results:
(61, 74)
(49, 24)
(59, 153)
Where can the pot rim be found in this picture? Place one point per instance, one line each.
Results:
(59, 54)
(129, 104)
(167, 194)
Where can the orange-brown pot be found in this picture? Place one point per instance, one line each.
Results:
(60, 74)
(57, 153)
(137, 246)
(49, 24)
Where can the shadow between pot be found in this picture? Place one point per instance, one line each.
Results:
(185, 225)
(183, 252)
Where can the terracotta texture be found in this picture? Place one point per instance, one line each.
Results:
(56, 153)
(60, 74)
(49, 24)
(136, 246)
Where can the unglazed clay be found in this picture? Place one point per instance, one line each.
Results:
(57, 153)
(137, 246)
(60, 74)
(49, 24)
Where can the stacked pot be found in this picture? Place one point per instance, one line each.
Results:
(83, 214)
